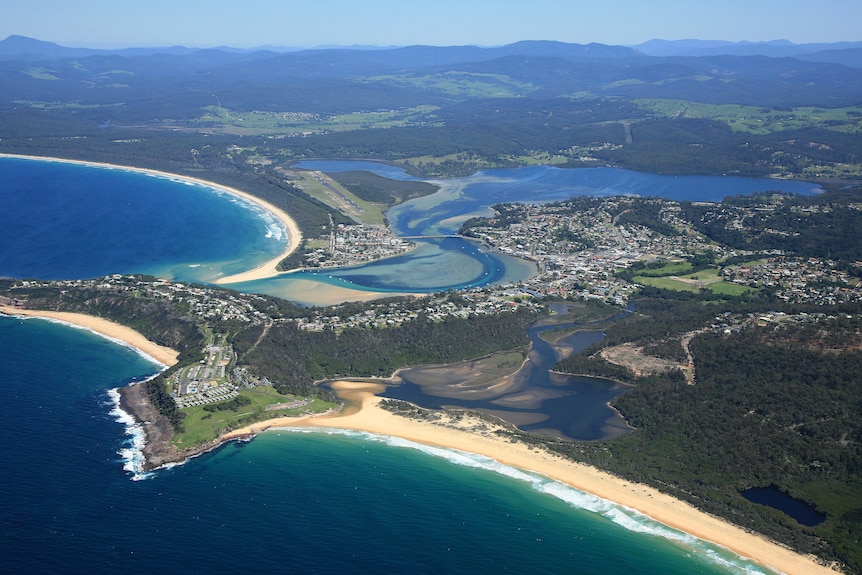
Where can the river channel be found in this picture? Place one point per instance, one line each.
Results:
(441, 262)
(534, 398)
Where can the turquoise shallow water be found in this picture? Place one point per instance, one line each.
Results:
(287, 502)
(69, 221)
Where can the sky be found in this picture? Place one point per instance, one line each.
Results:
(312, 23)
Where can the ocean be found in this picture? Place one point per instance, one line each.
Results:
(289, 501)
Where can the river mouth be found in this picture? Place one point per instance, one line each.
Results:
(443, 261)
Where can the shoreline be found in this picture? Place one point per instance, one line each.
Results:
(150, 432)
(364, 413)
(155, 449)
(266, 270)
(118, 333)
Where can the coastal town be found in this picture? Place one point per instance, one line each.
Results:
(351, 245)
(218, 378)
(582, 250)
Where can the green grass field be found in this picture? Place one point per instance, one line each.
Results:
(202, 426)
(704, 279)
(41, 74)
(473, 85)
(342, 199)
(297, 123)
(673, 268)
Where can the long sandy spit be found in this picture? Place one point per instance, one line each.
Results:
(365, 414)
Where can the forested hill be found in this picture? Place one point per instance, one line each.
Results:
(523, 69)
(443, 110)
(768, 404)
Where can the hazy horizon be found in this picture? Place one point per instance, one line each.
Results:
(289, 48)
(386, 23)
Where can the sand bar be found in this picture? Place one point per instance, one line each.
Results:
(364, 414)
(311, 292)
(114, 331)
(265, 270)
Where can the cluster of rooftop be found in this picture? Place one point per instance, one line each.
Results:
(798, 280)
(476, 301)
(207, 381)
(207, 304)
(581, 246)
(351, 245)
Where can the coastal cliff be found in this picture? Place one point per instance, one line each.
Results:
(158, 450)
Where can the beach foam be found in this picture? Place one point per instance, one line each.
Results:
(625, 517)
(132, 454)
(275, 227)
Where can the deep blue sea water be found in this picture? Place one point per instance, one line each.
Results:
(288, 501)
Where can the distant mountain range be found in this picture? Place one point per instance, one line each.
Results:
(24, 48)
(177, 82)
(847, 53)
(676, 107)
(773, 48)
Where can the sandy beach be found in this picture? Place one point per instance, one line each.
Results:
(266, 270)
(363, 413)
(114, 331)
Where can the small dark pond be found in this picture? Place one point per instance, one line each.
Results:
(798, 510)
